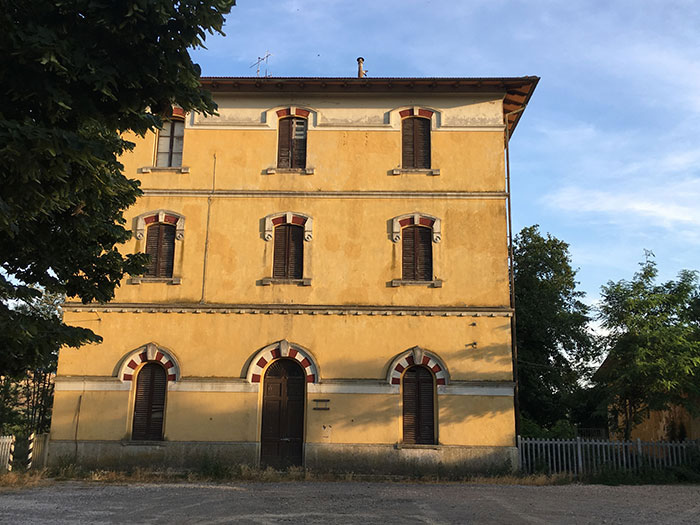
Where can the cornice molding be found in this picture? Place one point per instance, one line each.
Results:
(327, 194)
(289, 309)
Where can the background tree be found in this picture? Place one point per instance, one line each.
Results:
(653, 343)
(75, 77)
(553, 338)
(27, 400)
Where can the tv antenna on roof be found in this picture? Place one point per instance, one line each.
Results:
(259, 61)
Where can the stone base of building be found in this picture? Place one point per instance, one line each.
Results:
(359, 458)
(410, 459)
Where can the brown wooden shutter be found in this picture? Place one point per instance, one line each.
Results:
(421, 143)
(160, 245)
(284, 149)
(408, 158)
(288, 259)
(415, 143)
(417, 254)
(299, 143)
(418, 406)
(149, 404)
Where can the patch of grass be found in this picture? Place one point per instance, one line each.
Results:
(22, 479)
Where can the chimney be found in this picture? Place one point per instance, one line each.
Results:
(360, 72)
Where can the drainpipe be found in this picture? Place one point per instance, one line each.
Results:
(206, 236)
(514, 345)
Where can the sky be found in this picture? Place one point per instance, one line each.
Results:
(607, 154)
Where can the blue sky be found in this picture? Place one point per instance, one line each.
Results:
(606, 156)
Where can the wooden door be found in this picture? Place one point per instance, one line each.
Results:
(418, 406)
(282, 435)
(149, 405)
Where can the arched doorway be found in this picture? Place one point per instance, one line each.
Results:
(149, 403)
(418, 406)
(282, 433)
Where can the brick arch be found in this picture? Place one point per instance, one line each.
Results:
(154, 216)
(293, 111)
(149, 353)
(417, 356)
(288, 217)
(418, 218)
(282, 349)
(416, 112)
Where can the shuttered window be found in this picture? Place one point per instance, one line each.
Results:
(417, 254)
(418, 406)
(170, 141)
(292, 143)
(415, 143)
(160, 245)
(149, 405)
(289, 252)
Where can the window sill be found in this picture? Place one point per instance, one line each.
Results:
(417, 171)
(173, 169)
(267, 281)
(141, 443)
(435, 283)
(166, 280)
(300, 171)
(399, 446)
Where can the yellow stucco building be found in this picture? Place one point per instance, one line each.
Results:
(329, 284)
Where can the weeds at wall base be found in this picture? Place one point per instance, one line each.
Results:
(211, 471)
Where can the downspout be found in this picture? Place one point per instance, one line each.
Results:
(513, 341)
(206, 235)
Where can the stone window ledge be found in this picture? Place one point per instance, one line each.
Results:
(166, 280)
(267, 281)
(300, 171)
(144, 443)
(404, 171)
(399, 446)
(435, 283)
(172, 169)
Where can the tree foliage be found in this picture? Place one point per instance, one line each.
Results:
(653, 343)
(75, 76)
(551, 326)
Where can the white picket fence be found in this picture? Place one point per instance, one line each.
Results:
(586, 456)
(7, 447)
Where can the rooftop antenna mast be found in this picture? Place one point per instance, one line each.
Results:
(259, 61)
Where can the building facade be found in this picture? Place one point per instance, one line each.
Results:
(328, 287)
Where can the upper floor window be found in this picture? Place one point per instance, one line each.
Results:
(170, 140)
(161, 229)
(415, 143)
(417, 254)
(291, 233)
(289, 252)
(417, 232)
(160, 245)
(291, 153)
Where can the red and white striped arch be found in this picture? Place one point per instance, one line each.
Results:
(418, 356)
(276, 351)
(288, 217)
(149, 353)
(417, 218)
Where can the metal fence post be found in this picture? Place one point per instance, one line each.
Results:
(10, 458)
(30, 450)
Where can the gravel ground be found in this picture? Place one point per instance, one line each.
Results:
(355, 502)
